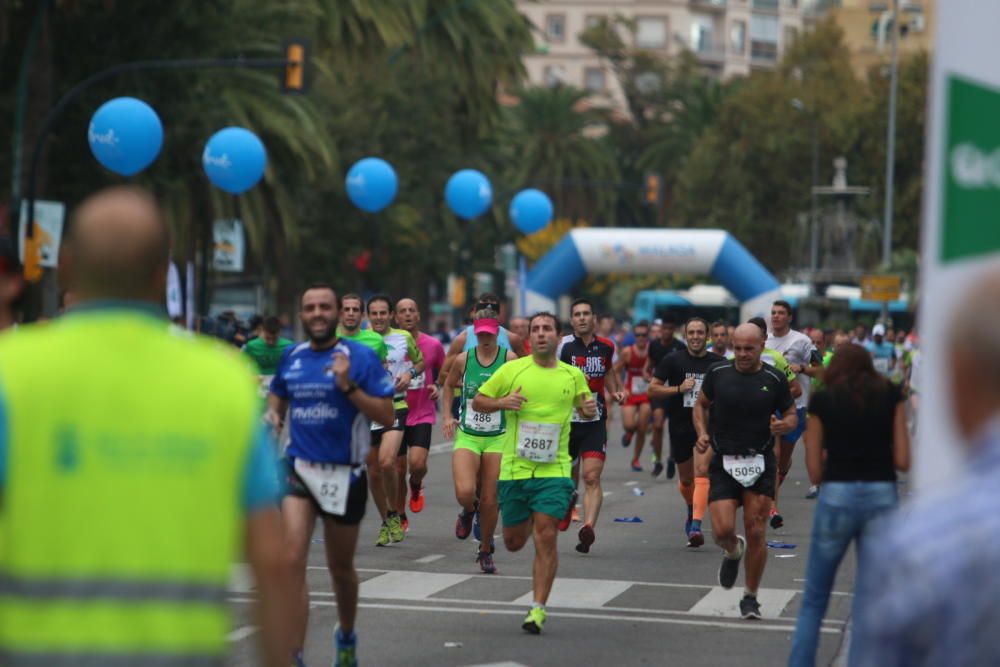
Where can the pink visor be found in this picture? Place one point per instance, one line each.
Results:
(487, 325)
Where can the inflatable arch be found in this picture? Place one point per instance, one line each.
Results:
(711, 252)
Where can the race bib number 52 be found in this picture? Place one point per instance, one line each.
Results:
(538, 442)
(328, 483)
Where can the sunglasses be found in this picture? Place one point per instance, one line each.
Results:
(484, 305)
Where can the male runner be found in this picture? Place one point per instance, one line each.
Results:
(479, 437)
(658, 349)
(352, 312)
(330, 388)
(678, 379)
(743, 395)
(538, 394)
(588, 436)
(883, 352)
(421, 401)
(805, 361)
(720, 339)
(637, 410)
(403, 362)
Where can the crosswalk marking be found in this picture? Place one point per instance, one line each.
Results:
(720, 602)
(400, 585)
(429, 559)
(580, 593)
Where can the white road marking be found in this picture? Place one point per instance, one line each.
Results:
(499, 664)
(240, 634)
(735, 625)
(720, 602)
(580, 593)
(397, 585)
(608, 493)
(429, 559)
(632, 483)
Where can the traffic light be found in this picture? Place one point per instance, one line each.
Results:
(296, 63)
(652, 189)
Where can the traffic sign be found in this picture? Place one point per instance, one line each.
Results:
(880, 288)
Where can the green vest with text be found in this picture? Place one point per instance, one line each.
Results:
(121, 511)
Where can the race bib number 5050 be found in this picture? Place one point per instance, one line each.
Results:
(328, 483)
(538, 442)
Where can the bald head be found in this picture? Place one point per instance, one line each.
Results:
(748, 344)
(975, 355)
(117, 247)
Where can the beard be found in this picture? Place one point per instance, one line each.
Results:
(325, 336)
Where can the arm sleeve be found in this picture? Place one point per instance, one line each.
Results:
(260, 482)
(498, 385)
(278, 385)
(371, 376)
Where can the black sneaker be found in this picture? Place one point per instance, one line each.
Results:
(657, 469)
(671, 468)
(730, 567)
(750, 608)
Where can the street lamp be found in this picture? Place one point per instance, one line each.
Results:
(890, 153)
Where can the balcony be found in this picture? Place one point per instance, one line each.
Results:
(714, 52)
(719, 5)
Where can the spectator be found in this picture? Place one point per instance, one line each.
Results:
(856, 439)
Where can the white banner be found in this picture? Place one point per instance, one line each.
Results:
(229, 249)
(49, 217)
(646, 250)
(961, 235)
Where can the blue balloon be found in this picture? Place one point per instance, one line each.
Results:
(372, 184)
(468, 193)
(234, 159)
(125, 135)
(531, 210)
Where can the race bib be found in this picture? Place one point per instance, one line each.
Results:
(691, 397)
(376, 426)
(328, 483)
(265, 385)
(418, 381)
(579, 418)
(538, 442)
(881, 365)
(640, 385)
(482, 422)
(744, 469)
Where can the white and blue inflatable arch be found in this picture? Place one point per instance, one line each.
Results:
(711, 252)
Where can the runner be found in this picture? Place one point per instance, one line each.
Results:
(636, 411)
(883, 352)
(479, 437)
(720, 339)
(588, 437)
(678, 379)
(659, 348)
(805, 362)
(538, 394)
(743, 395)
(352, 312)
(403, 362)
(421, 402)
(329, 388)
(818, 338)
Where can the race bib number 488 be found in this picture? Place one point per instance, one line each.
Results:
(538, 442)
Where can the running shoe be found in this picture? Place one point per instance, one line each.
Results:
(636, 466)
(626, 439)
(384, 539)
(568, 518)
(534, 621)
(750, 608)
(813, 492)
(687, 526)
(405, 522)
(587, 538)
(395, 528)
(463, 525)
(485, 560)
(776, 520)
(347, 649)
(477, 531)
(695, 539)
(730, 567)
(657, 469)
(416, 499)
(671, 468)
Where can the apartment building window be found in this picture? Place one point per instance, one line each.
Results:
(702, 40)
(555, 28)
(764, 37)
(593, 79)
(791, 34)
(555, 75)
(738, 38)
(765, 4)
(651, 33)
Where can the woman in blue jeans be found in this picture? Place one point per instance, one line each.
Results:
(856, 439)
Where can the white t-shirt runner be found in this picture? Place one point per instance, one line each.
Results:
(797, 349)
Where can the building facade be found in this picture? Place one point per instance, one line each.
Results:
(868, 25)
